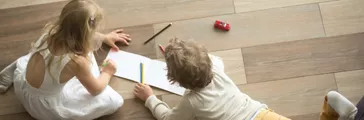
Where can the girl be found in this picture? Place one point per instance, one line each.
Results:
(213, 94)
(59, 78)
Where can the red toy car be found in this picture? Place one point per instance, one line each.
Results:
(222, 25)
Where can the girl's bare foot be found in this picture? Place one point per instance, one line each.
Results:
(6, 77)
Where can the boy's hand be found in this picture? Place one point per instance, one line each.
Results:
(116, 36)
(110, 67)
(143, 91)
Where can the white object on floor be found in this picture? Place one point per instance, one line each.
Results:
(128, 66)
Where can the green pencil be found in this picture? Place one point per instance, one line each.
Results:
(104, 64)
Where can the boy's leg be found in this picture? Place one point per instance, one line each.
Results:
(268, 114)
(337, 106)
(328, 113)
(6, 77)
(360, 106)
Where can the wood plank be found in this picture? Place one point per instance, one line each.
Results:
(248, 29)
(302, 58)
(138, 35)
(343, 17)
(5, 4)
(17, 116)
(125, 88)
(9, 103)
(20, 27)
(291, 97)
(234, 65)
(253, 5)
(171, 99)
(312, 116)
(138, 12)
(133, 109)
(351, 84)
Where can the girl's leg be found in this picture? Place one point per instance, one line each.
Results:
(6, 77)
(337, 106)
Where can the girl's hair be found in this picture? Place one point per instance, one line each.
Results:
(188, 64)
(73, 31)
(75, 27)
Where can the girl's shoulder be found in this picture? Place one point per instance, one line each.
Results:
(78, 62)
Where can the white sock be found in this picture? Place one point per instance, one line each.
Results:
(6, 77)
(341, 105)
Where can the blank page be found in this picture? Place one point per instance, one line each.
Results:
(128, 64)
(156, 75)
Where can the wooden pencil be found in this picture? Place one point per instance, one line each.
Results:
(169, 25)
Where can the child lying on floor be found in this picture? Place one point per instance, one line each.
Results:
(213, 94)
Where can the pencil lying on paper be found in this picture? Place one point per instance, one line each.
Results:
(169, 25)
(142, 73)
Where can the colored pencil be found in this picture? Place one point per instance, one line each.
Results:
(104, 64)
(161, 48)
(142, 73)
(169, 25)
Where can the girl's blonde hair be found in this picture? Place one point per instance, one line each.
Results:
(75, 27)
(73, 31)
(188, 64)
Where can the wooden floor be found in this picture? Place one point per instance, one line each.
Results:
(285, 53)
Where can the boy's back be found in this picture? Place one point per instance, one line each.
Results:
(221, 99)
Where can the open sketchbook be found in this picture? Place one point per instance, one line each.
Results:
(155, 72)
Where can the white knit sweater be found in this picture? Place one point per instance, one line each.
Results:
(220, 100)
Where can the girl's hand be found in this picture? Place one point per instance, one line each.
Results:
(143, 91)
(116, 36)
(110, 67)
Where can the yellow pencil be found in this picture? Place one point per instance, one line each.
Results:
(142, 73)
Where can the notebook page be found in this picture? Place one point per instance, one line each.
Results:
(156, 75)
(128, 64)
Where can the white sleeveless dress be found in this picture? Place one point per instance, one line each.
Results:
(57, 101)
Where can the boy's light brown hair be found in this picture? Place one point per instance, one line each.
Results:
(188, 64)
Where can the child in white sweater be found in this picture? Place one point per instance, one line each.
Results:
(213, 94)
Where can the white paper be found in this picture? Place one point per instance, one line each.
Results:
(156, 75)
(128, 66)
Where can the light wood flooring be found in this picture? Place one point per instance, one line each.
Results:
(285, 53)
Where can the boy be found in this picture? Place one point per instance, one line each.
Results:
(213, 94)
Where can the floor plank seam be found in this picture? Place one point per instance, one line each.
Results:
(259, 10)
(337, 86)
(299, 40)
(247, 81)
(234, 6)
(171, 21)
(328, 1)
(322, 20)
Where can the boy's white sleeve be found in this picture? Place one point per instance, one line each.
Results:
(217, 62)
(161, 111)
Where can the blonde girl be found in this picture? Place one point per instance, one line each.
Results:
(59, 78)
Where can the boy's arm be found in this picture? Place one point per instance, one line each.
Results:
(161, 111)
